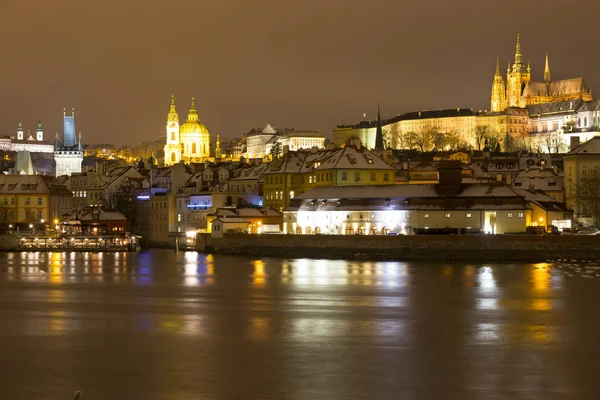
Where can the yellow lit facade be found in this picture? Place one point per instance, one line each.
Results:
(298, 172)
(189, 142)
(520, 91)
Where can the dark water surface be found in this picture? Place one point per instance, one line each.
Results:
(166, 325)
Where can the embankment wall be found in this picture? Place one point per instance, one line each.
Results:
(484, 247)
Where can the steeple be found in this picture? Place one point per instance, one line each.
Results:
(518, 55)
(173, 117)
(498, 99)
(20, 130)
(39, 132)
(497, 67)
(379, 135)
(193, 114)
(547, 71)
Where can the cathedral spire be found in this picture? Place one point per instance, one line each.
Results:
(547, 71)
(379, 135)
(518, 65)
(497, 66)
(172, 111)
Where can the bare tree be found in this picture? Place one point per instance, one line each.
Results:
(552, 142)
(480, 134)
(421, 140)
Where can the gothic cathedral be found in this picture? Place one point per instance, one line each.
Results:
(520, 91)
(189, 142)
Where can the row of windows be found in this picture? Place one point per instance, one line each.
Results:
(159, 205)
(325, 176)
(32, 214)
(80, 193)
(469, 215)
(275, 195)
(27, 201)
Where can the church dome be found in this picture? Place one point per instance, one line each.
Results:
(193, 127)
(152, 160)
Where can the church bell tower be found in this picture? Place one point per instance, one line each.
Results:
(172, 146)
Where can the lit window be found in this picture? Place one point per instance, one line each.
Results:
(509, 215)
(291, 194)
(468, 215)
(447, 215)
(520, 215)
(426, 215)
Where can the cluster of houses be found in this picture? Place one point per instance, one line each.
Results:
(347, 190)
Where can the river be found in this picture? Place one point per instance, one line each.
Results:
(165, 325)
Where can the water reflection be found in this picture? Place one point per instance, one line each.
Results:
(292, 328)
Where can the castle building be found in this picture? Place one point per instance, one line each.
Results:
(29, 143)
(189, 142)
(520, 91)
(68, 155)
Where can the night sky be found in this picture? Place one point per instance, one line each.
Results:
(307, 64)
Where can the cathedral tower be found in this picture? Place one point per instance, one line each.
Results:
(172, 147)
(39, 132)
(498, 102)
(518, 77)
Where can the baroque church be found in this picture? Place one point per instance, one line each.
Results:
(520, 91)
(189, 142)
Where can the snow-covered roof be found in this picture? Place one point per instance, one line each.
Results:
(591, 147)
(404, 191)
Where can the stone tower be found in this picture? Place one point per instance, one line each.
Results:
(68, 155)
(517, 77)
(498, 102)
(172, 147)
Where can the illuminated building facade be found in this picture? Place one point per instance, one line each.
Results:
(189, 142)
(260, 143)
(296, 172)
(582, 181)
(68, 155)
(520, 91)
(32, 199)
(406, 209)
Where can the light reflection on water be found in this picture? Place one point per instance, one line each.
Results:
(411, 319)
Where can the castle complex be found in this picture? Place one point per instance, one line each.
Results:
(523, 112)
(520, 91)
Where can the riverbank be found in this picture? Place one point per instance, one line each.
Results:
(351, 247)
(69, 243)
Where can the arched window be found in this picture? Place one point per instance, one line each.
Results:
(173, 157)
(193, 148)
(173, 135)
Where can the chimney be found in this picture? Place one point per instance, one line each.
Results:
(574, 142)
(450, 176)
